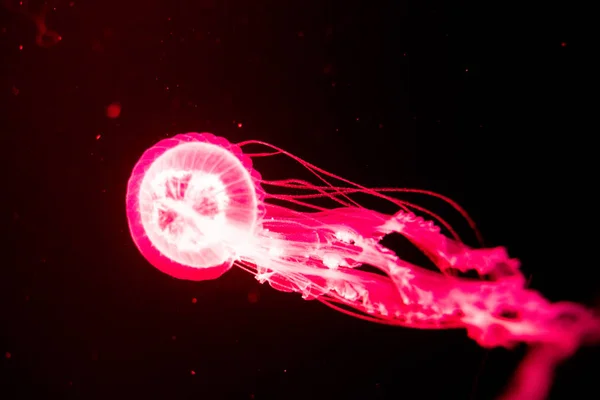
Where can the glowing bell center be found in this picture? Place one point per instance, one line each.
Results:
(189, 208)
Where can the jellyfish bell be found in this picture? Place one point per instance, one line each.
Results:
(189, 200)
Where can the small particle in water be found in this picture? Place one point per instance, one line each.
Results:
(113, 110)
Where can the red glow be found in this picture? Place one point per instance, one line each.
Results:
(20, 47)
(194, 300)
(192, 372)
(97, 46)
(239, 125)
(7, 355)
(98, 137)
(113, 110)
(252, 297)
(563, 44)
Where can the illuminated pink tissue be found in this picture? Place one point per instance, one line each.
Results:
(196, 207)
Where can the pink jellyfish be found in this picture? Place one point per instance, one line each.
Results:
(196, 207)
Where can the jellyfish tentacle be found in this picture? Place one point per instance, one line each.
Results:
(378, 192)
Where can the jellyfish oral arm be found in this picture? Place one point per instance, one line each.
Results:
(312, 255)
(447, 253)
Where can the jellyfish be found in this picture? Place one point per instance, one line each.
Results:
(196, 208)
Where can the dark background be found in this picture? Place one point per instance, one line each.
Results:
(484, 104)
